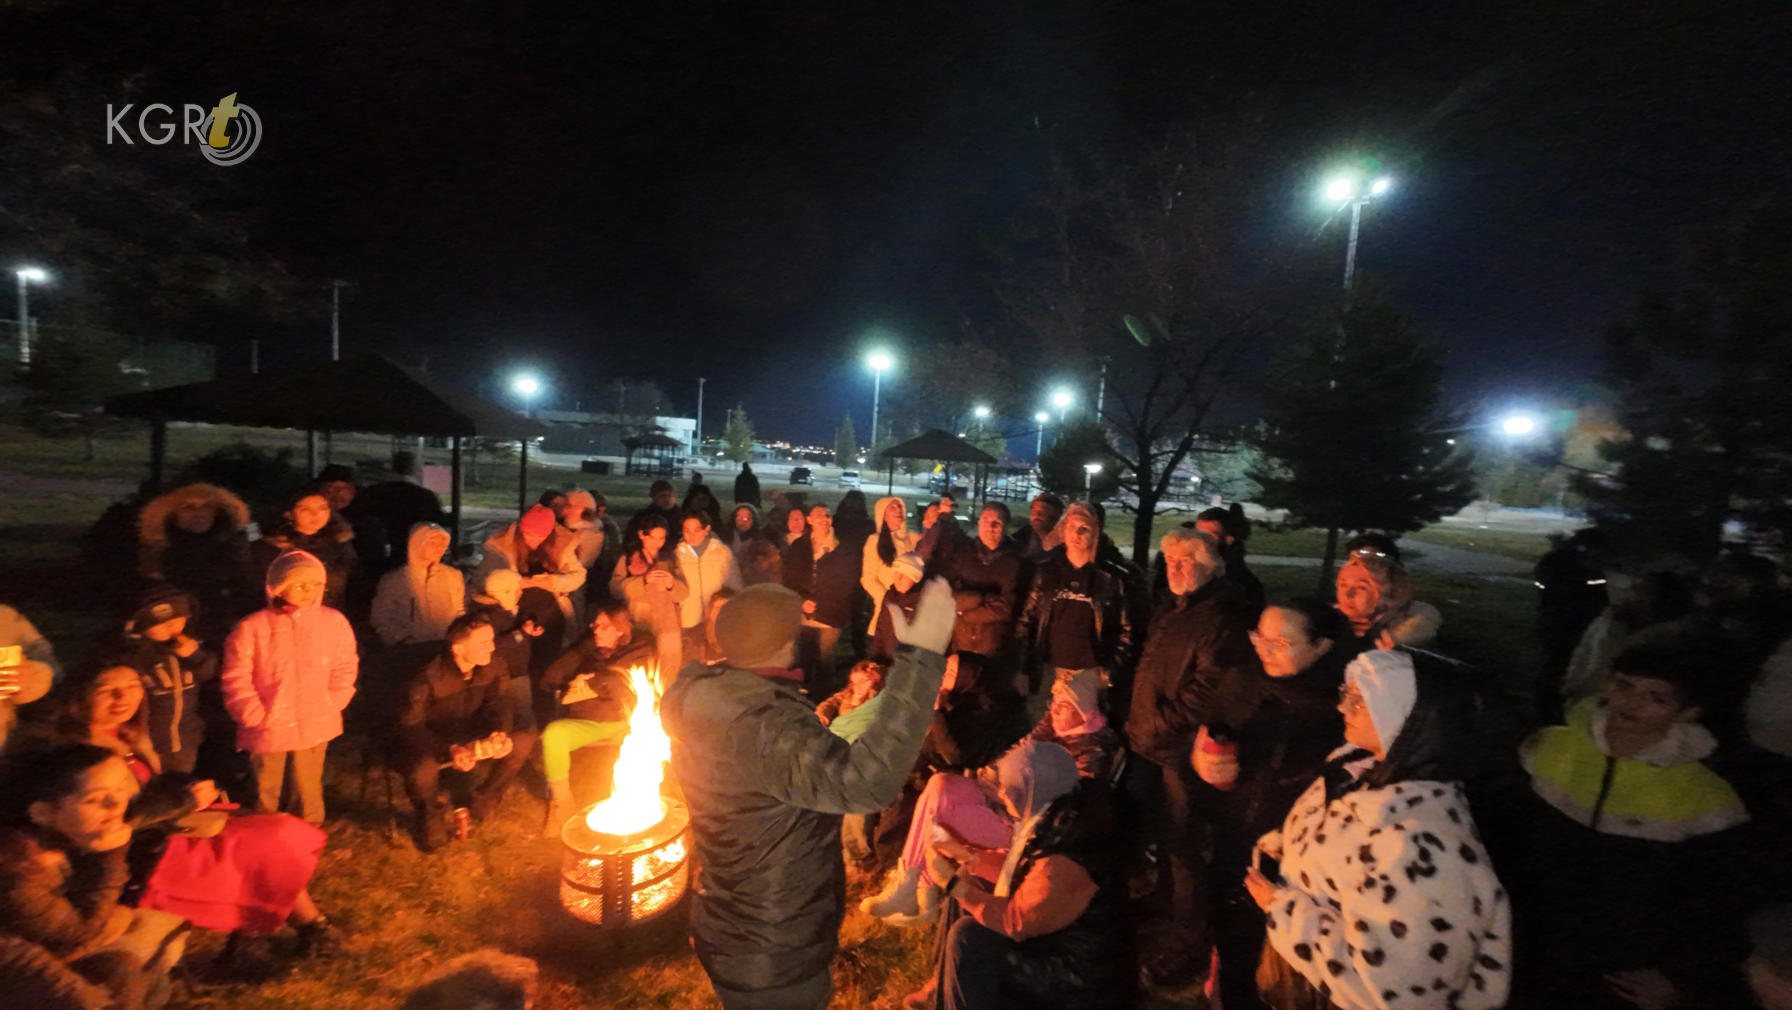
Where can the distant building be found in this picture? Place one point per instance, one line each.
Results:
(589, 433)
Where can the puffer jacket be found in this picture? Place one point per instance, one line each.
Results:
(1091, 962)
(1284, 728)
(288, 674)
(704, 573)
(215, 567)
(1197, 643)
(333, 545)
(874, 576)
(56, 896)
(767, 784)
(416, 603)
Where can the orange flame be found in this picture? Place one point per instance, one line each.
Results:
(634, 804)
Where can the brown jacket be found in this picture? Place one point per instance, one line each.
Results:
(57, 897)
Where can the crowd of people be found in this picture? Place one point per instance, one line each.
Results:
(1085, 776)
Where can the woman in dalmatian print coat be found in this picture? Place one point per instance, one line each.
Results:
(1385, 897)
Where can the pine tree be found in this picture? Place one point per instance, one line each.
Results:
(737, 436)
(846, 444)
(1354, 434)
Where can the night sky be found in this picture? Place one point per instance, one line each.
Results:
(744, 191)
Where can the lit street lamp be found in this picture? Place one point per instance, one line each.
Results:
(980, 412)
(1039, 444)
(878, 361)
(526, 386)
(1518, 425)
(27, 276)
(1061, 399)
(1089, 472)
(1349, 190)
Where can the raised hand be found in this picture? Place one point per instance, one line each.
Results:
(931, 628)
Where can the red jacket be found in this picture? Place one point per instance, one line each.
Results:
(288, 674)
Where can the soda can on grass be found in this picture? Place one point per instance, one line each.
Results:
(463, 824)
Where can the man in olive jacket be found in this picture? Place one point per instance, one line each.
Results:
(767, 784)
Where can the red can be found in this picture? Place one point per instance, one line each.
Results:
(463, 823)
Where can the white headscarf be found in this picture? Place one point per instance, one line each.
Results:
(1385, 679)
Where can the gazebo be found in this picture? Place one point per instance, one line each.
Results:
(937, 445)
(659, 453)
(365, 393)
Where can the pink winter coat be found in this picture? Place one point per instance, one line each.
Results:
(288, 674)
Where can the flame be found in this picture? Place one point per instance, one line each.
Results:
(634, 804)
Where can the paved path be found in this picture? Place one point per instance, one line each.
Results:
(1434, 559)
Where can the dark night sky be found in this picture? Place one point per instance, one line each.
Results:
(742, 191)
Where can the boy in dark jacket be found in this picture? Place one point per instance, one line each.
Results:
(456, 714)
(826, 575)
(766, 783)
(175, 667)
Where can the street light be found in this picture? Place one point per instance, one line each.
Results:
(1039, 444)
(1062, 399)
(1350, 190)
(1089, 472)
(980, 412)
(1518, 425)
(27, 276)
(878, 361)
(526, 386)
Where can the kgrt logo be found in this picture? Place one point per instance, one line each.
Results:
(226, 135)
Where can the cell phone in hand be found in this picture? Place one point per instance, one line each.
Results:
(11, 656)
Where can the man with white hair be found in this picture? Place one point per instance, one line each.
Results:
(1198, 639)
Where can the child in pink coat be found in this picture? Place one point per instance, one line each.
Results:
(289, 671)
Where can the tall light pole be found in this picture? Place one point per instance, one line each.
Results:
(526, 387)
(1039, 443)
(1062, 399)
(878, 360)
(27, 276)
(697, 433)
(1352, 191)
(1089, 472)
(336, 319)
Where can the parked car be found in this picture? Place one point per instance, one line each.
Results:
(849, 478)
(802, 475)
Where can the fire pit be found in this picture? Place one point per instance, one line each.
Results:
(610, 880)
(625, 859)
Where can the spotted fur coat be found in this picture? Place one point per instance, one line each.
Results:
(1388, 899)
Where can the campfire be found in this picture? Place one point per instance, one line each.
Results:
(625, 857)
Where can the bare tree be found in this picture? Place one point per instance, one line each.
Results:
(1137, 269)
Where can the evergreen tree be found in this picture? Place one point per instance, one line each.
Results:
(1354, 433)
(1705, 437)
(846, 445)
(1061, 464)
(737, 436)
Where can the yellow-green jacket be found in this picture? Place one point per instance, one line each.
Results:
(1664, 793)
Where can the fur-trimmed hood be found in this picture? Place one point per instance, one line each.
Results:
(152, 522)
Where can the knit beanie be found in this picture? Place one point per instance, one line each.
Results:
(503, 584)
(285, 567)
(537, 522)
(1385, 679)
(160, 603)
(757, 623)
(911, 565)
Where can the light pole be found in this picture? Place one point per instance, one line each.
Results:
(1089, 472)
(697, 434)
(1039, 443)
(1350, 191)
(1062, 399)
(878, 360)
(27, 276)
(336, 319)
